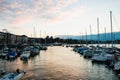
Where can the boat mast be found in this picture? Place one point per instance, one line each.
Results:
(105, 36)
(111, 28)
(86, 37)
(45, 38)
(90, 34)
(40, 36)
(34, 33)
(98, 30)
(80, 38)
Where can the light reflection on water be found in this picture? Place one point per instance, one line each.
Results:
(61, 63)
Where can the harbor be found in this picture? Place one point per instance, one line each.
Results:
(59, 40)
(62, 63)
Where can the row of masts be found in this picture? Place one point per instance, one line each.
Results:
(34, 33)
(98, 34)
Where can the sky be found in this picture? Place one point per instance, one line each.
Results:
(58, 17)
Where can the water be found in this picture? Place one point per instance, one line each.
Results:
(61, 63)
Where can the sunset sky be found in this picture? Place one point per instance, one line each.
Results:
(58, 17)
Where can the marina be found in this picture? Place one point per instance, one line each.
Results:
(58, 63)
(59, 40)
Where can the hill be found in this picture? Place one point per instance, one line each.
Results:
(116, 36)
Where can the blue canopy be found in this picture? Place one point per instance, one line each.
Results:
(12, 53)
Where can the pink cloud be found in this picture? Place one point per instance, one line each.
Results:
(60, 15)
(1, 1)
(21, 20)
(49, 10)
(15, 5)
(53, 20)
(49, 1)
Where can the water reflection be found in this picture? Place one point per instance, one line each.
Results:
(61, 63)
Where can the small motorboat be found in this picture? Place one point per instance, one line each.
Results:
(25, 55)
(13, 75)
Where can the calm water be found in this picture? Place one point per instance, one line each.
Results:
(61, 63)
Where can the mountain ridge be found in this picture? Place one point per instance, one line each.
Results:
(102, 36)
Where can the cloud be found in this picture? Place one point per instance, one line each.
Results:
(21, 20)
(27, 11)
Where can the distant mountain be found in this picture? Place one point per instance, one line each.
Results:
(116, 36)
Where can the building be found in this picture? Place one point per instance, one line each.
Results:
(24, 39)
(11, 39)
(1, 38)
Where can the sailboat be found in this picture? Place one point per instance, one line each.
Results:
(102, 56)
(117, 56)
(44, 47)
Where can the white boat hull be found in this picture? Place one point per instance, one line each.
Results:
(13, 76)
